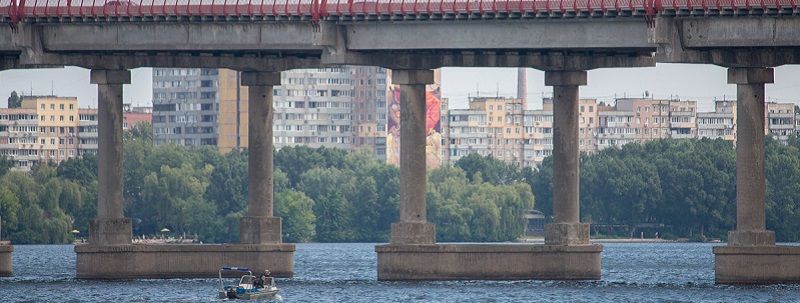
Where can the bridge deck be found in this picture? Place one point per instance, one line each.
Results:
(375, 10)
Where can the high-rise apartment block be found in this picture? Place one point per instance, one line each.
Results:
(370, 96)
(339, 107)
(185, 106)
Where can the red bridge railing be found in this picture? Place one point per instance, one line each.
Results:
(16, 10)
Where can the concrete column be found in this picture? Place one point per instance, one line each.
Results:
(259, 226)
(413, 227)
(567, 229)
(750, 176)
(5, 256)
(110, 227)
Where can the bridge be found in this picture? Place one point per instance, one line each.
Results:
(564, 38)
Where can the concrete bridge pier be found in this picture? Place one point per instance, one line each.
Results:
(110, 227)
(413, 227)
(5, 257)
(260, 228)
(6, 249)
(566, 228)
(413, 254)
(751, 255)
(110, 254)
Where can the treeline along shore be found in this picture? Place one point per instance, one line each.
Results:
(685, 186)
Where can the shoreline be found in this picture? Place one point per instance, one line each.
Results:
(608, 240)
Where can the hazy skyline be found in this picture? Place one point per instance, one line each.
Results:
(702, 83)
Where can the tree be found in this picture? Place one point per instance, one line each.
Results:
(82, 170)
(492, 170)
(9, 208)
(142, 131)
(297, 209)
(6, 164)
(14, 101)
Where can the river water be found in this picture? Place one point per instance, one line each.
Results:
(663, 272)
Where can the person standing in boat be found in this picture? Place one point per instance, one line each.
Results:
(266, 278)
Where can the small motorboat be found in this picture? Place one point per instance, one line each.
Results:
(249, 286)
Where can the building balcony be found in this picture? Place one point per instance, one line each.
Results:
(87, 146)
(781, 115)
(616, 124)
(781, 126)
(615, 136)
(87, 135)
(682, 124)
(682, 136)
(715, 126)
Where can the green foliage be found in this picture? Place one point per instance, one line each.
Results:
(490, 169)
(297, 209)
(142, 131)
(14, 101)
(324, 195)
(476, 211)
(688, 185)
(333, 195)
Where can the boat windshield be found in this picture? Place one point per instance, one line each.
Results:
(247, 282)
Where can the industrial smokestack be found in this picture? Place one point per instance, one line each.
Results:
(522, 85)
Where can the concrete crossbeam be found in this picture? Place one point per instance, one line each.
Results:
(609, 34)
(764, 41)
(542, 60)
(719, 32)
(176, 36)
(751, 76)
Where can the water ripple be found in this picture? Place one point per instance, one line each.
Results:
(670, 272)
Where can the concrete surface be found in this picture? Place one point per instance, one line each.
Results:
(6, 250)
(566, 228)
(757, 264)
(413, 227)
(751, 185)
(259, 226)
(158, 261)
(488, 262)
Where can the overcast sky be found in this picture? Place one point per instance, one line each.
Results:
(702, 83)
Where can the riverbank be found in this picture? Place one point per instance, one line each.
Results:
(608, 240)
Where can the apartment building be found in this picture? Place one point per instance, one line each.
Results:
(650, 117)
(719, 124)
(504, 127)
(369, 111)
(588, 120)
(185, 106)
(780, 120)
(538, 143)
(489, 126)
(339, 107)
(616, 128)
